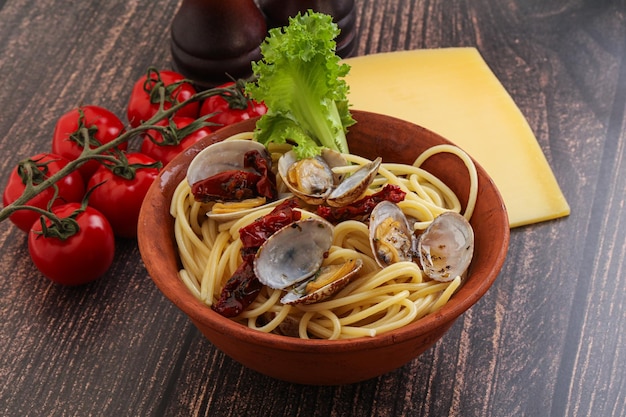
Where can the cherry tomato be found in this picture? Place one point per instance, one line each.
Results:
(103, 126)
(145, 99)
(155, 146)
(229, 112)
(120, 198)
(82, 257)
(71, 187)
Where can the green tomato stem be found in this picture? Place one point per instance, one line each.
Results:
(88, 153)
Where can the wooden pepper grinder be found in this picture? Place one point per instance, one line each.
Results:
(214, 39)
(277, 13)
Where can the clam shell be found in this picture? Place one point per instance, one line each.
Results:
(445, 249)
(221, 156)
(334, 159)
(315, 178)
(391, 238)
(318, 184)
(351, 188)
(293, 253)
(347, 272)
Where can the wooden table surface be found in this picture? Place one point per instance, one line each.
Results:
(546, 340)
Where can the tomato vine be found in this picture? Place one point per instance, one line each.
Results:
(33, 188)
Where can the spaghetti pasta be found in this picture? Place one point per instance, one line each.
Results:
(379, 300)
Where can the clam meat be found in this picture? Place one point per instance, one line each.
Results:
(328, 280)
(391, 237)
(313, 179)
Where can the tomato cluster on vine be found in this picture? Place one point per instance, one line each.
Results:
(95, 197)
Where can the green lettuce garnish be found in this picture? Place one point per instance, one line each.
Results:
(299, 78)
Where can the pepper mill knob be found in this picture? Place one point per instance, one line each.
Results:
(214, 39)
(277, 13)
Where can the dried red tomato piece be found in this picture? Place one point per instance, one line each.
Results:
(361, 209)
(240, 290)
(231, 185)
(243, 287)
(237, 185)
(257, 232)
(266, 186)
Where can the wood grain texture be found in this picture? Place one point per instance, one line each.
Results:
(546, 340)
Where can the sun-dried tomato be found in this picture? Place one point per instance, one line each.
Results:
(266, 186)
(237, 185)
(361, 209)
(243, 286)
(257, 232)
(240, 290)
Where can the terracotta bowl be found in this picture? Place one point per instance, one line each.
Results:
(345, 361)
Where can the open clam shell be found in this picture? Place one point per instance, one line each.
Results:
(311, 179)
(391, 237)
(445, 249)
(293, 253)
(353, 187)
(325, 283)
(221, 156)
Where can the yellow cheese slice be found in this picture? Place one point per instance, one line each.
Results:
(453, 92)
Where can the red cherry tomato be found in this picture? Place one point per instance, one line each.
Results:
(144, 98)
(229, 112)
(82, 257)
(119, 199)
(155, 146)
(102, 124)
(71, 187)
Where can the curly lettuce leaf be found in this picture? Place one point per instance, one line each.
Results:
(300, 80)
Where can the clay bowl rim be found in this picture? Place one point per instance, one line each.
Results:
(175, 290)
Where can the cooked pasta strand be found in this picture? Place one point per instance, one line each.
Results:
(378, 301)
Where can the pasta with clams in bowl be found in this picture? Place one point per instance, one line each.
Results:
(362, 259)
